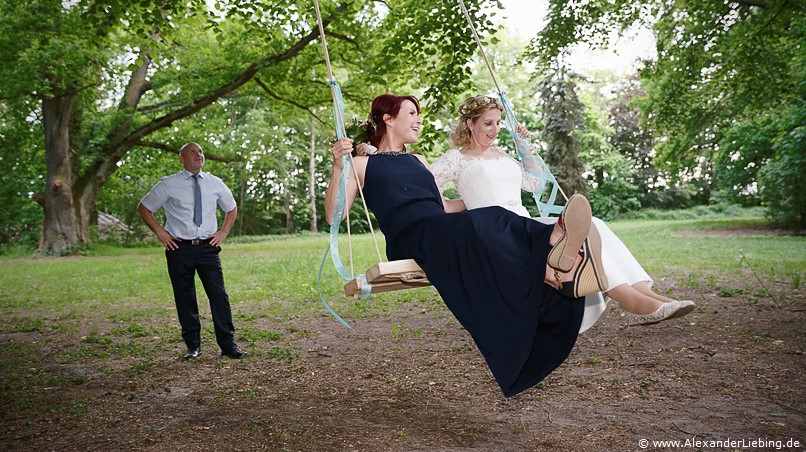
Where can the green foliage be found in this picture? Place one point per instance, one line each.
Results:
(613, 194)
(699, 212)
(609, 173)
(563, 113)
(723, 105)
(22, 166)
(779, 181)
(40, 32)
(357, 131)
(723, 99)
(588, 22)
(244, 79)
(715, 91)
(436, 62)
(636, 143)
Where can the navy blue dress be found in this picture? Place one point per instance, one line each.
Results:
(488, 265)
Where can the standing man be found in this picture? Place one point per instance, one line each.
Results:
(192, 244)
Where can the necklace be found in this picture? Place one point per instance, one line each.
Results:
(393, 153)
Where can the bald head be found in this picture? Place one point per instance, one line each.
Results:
(191, 157)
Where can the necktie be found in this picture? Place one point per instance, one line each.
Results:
(197, 203)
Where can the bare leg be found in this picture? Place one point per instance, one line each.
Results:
(636, 299)
(633, 301)
(643, 287)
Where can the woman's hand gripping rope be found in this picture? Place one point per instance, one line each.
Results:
(339, 149)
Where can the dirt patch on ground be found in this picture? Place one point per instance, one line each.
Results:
(412, 379)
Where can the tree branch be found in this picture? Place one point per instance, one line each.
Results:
(175, 150)
(137, 86)
(288, 101)
(138, 83)
(344, 38)
(243, 78)
(121, 140)
(156, 107)
(758, 3)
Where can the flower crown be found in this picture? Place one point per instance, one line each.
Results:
(474, 103)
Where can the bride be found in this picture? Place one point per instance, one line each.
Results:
(485, 176)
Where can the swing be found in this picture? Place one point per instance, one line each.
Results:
(384, 276)
(406, 274)
(389, 276)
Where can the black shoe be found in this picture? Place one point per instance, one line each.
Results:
(233, 351)
(193, 353)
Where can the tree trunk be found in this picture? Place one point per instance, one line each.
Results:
(241, 200)
(68, 199)
(312, 176)
(61, 228)
(289, 222)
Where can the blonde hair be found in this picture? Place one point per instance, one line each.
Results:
(472, 108)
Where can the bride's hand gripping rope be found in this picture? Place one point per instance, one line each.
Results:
(525, 135)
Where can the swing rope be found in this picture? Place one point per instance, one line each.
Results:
(338, 119)
(338, 211)
(533, 163)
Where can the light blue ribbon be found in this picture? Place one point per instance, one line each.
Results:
(338, 212)
(533, 164)
(322, 298)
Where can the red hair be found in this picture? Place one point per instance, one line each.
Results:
(385, 104)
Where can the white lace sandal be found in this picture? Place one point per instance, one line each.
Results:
(667, 311)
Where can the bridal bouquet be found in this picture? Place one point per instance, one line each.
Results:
(359, 132)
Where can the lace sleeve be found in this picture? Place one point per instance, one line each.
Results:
(446, 168)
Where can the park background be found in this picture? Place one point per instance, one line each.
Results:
(694, 156)
(97, 97)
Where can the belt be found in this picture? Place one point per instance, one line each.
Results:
(195, 242)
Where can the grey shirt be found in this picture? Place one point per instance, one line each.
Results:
(175, 194)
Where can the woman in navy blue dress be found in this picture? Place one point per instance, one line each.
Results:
(489, 265)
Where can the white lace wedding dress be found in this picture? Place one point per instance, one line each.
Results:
(499, 181)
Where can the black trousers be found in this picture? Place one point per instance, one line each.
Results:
(183, 264)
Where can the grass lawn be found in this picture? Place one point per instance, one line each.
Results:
(115, 288)
(104, 325)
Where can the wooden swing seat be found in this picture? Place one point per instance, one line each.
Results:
(389, 276)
